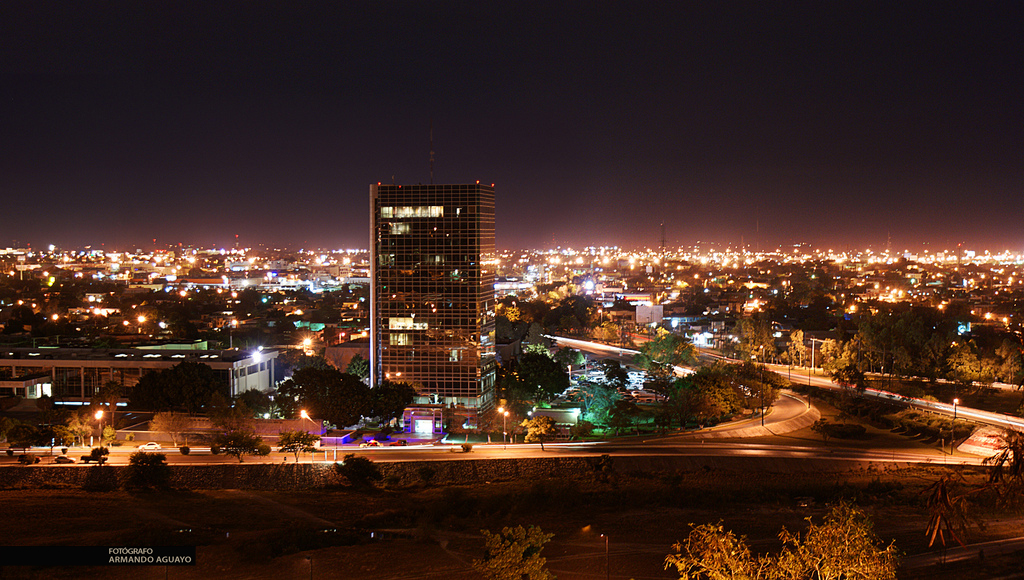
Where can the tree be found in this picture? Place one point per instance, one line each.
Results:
(514, 554)
(297, 442)
(597, 399)
(712, 553)
(173, 424)
(795, 348)
(946, 511)
(186, 386)
(1008, 467)
(359, 471)
(537, 348)
(23, 436)
(109, 395)
(390, 400)
(821, 428)
(109, 434)
(967, 368)
(539, 429)
(543, 375)
(358, 367)
(666, 349)
(569, 357)
(614, 374)
(238, 443)
(147, 470)
(80, 427)
(6, 424)
(622, 415)
(329, 395)
(229, 416)
(843, 547)
(256, 401)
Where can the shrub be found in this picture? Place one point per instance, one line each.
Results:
(467, 447)
(845, 430)
(426, 473)
(129, 437)
(10, 453)
(147, 470)
(215, 449)
(63, 450)
(184, 450)
(359, 471)
(263, 449)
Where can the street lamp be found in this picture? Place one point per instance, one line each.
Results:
(305, 415)
(504, 431)
(955, 403)
(99, 423)
(607, 558)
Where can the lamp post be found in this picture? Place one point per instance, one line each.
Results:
(607, 558)
(955, 403)
(99, 423)
(305, 415)
(504, 431)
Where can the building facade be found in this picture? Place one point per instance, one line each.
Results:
(432, 297)
(74, 375)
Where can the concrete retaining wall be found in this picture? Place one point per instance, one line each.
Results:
(285, 477)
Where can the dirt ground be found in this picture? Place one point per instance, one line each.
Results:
(434, 532)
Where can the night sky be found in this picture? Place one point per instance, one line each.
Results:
(834, 123)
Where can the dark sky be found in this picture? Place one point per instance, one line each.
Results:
(834, 123)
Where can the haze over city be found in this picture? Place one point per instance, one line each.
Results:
(849, 124)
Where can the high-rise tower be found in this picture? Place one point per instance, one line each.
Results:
(431, 297)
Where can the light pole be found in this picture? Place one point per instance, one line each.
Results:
(504, 431)
(809, 371)
(955, 403)
(607, 558)
(99, 424)
(305, 415)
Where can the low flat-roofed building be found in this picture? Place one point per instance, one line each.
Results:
(77, 373)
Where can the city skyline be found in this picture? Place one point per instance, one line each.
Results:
(846, 125)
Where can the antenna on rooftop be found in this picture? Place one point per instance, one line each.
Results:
(431, 152)
(663, 238)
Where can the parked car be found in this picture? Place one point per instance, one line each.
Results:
(151, 446)
(26, 459)
(398, 443)
(63, 459)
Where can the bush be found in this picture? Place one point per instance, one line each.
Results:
(426, 473)
(263, 450)
(184, 450)
(147, 470)
(10, 453)
(467, 447)
(63, 450)
(359, 471)
(215, 449)
(845, 430)
(129, 437)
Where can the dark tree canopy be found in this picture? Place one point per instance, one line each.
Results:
(328, 394)
(543, 375)
(390, 399)
(186, 386)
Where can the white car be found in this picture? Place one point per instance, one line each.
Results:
(151, 446)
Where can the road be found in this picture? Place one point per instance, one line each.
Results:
(961, 412)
